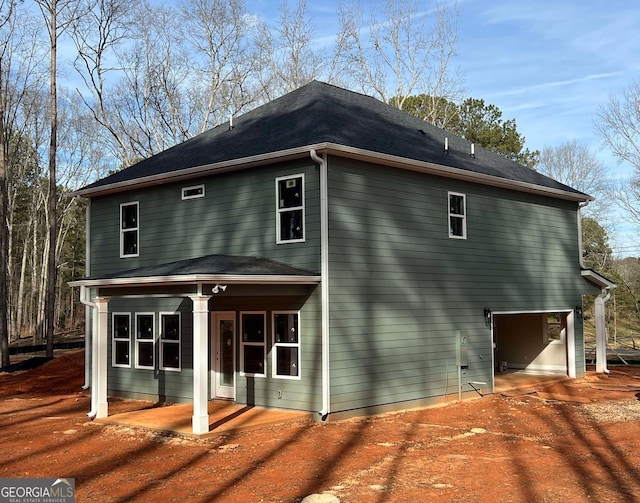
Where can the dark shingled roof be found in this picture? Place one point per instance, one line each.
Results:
(211, 265)
(322, 113)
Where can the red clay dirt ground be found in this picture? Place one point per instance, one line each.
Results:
(572, 441)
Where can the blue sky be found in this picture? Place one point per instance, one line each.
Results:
(551, 65)
(548, 64)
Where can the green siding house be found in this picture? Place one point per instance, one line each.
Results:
(329, 253)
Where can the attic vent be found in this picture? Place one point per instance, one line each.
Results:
(446, 144)
(422, 131)
(193, 192)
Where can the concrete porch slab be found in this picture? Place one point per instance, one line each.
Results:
(224, 417)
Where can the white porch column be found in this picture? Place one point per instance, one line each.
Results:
(99, 363)
(200, 419)
(571, 345)
(601, 333)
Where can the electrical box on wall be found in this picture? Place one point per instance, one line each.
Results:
(463, 350)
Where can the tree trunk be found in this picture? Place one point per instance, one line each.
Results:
(4, 256)
(20, 300)
(4, 241)
(37, 285)
(50, 301)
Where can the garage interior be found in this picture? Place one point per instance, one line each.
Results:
(532, 343)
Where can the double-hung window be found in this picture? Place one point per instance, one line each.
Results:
(457, 216)
(290, 209)
(253, 343)
(170, 330)
(129, 229)
(121, 341)
(286, 341)
(145, 336)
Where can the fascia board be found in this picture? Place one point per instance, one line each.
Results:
(197, 278)
(597, 279)
(450, 172)
(341, 151)
(196, 172)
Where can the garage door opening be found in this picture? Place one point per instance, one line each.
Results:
(534, 343)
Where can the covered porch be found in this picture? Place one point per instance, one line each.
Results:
(199, 280)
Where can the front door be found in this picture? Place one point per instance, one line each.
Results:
(223, 355)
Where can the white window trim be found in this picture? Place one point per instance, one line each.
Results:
(164, 341)
(193, 187)
(136, 229)
(294, 208)
(463, 217)
(276, 345)
(114, 339)
(152, 341)
(263, 344)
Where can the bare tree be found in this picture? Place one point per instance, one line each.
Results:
(629, 275)
(97, 35)
(6, 14)
(217, 34)
(78, 159)
(185, 69)
(618, 124)
(27, 207)
(149, 98)
(136, 78)
(286, 52)
(406, 51)
(81, 159)
(573, 164)
(297, 63)
(20, 81)
(58, 15)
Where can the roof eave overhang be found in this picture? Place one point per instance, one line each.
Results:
(341, 151)
(196, 171)
(245, 279)
(597, 279)
(451, 172)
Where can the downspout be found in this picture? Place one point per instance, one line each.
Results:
(324, 284)
(600, 302)
(582, 266)
(85, 299)
(580, 245)
(88, 331)
(601, 334)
